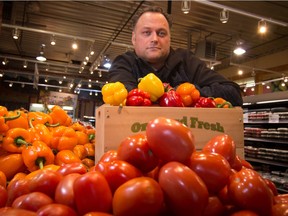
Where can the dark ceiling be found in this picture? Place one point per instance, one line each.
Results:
(104, 27)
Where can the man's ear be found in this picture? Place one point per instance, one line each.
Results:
(133, 38)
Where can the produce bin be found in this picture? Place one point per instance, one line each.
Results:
(113, 124)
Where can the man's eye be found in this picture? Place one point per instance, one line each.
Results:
(147, 33)
(161, 34)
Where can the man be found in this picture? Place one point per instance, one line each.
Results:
(152, 53)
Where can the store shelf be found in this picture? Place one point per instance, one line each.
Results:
(269, 162)
(266, 140)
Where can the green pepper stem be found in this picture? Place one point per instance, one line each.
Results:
(9, 118)
(19, 141)
(40, 162)
(51, 125)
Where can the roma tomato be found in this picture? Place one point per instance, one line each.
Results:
(272, 186)
(97, 214)
(16, 189)
(64, 193)
(45, 181)
(56, 209)
(136, 151)
(214, 207)
(185, 192)
(117, 172)
(280, 209)
(212, 168)
(109, 156)
(8, 211)
(92, 193)
(140, 196)
(222, 144)
(3, 179)
(32, 201)
(76, 167)
(281, 198)
(3, 196)
(248, 190)
(170, 140)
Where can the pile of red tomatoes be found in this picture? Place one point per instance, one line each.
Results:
(158, 173)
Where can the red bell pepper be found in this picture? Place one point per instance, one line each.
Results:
(170, 98)
(205, 102)
(138, 97)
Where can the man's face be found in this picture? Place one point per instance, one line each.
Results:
(151, 38)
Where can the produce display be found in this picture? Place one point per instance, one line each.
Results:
(46, 169)
(152, 91)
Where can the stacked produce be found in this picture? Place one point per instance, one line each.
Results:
(152, 91)
(155, 173)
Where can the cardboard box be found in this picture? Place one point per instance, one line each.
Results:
(114, 124)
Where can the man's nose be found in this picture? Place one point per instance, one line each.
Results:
(154, 36)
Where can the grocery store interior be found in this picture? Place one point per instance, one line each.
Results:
(76, 39)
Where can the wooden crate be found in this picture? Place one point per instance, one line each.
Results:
(113, 124)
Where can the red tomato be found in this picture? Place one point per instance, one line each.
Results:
(237, 164)
(136, 151)
(56, 209)
(246, 164)
(8, 211)
(222, 144)
(117, 172)
(170, 140)
(212, 168)
(64, 193)
(92, 193)
(45, 181)
(16, 189)
(109, 156)
(214, 207)
(248, 190)
(97, 214)
(185, 192)
(281, 198)
(76, 167)
(272, 186)
(3, 196)
(223, 196)
(32, 201)
(244, 213)
(280, 209)
(140, 196)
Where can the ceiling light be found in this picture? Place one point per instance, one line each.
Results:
(53, 40)
(240, 72)
(185, 7)
(11, 84)
(224, 16)
(262, 26)
(41, 56)
(25, 64)
(239, 49)
(16, 34)
(74, 45)
(1, 74)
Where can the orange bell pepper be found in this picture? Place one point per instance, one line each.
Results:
(40, 132)
(53, 167)
(16, 139)
(77, 126)
(66, 157)
(88, 162)
(3, 179)
(60, 116)
(4, 119)
(40, 118)
(37, 155)
(91, 132)
(63, 138)
(189, 94)
(20, 122)
(11, 164)
(79, 151)
(222, 103)
(90, 150)
(82, 138)
(3, 111)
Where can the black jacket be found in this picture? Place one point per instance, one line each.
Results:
(181, 66)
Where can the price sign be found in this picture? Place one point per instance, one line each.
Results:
(273, 118)
(245, 118)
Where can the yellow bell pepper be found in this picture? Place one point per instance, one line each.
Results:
(153, 85)
(114, 94)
